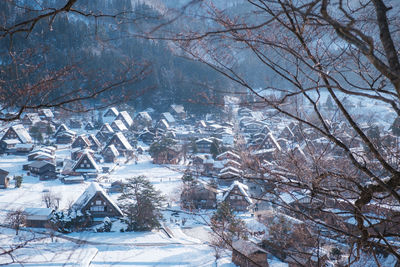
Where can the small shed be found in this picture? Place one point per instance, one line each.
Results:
(4, 179)
(248, 254)
(37, 217)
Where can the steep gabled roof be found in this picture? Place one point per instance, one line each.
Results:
(88, 156)
(163, 123)
(84, 139)
(231, 170)
(178, 108)
(118, 125)
(46, 112)
(168, 116)
(204, 140)
(242, 188)
(106, 128)
(113, 150)
(126, 118)
(22, 133)
(228, 154)
(94, 140)
(61, 128)
(111, 112)
(121, 137)
(90, 192)
(144, 115)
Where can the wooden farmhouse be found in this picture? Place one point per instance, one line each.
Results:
(97, 202)
(17, 132)
(85, 164)
(110, 154)
(237, 196)
(82, 141)
(125, 118)
(121, 144)
(248, 254)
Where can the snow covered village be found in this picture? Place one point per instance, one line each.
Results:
(200, 133)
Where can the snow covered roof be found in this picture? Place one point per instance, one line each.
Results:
(168, 117)
(113, 150)
(106, 128)
(94, 140)
(126, 117)
(38, 213)
(144, 115)
(123, 140)
(204, 140)
(87, 155)
(242, 188)
(228, 174)
(22, 133)
(47, 112)
(227, 162)
(202, 123)
(228, 154)
(231, 169)
(164, 123)
(178, 108)
(111, 112)
(12, 141)
(89, 193)
(62, 128)
(271, 137)
(119, 125)
(42, 154)
(39, 164)
(247, 247)
(32, 116)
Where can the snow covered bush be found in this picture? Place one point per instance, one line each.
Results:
(105, 227)
(70, 221)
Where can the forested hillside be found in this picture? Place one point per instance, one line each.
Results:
(99, 50)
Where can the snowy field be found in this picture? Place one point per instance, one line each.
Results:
(105, 249)
(184, 242)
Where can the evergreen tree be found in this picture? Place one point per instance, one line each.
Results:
(215, 149)
(49, 130)
(161, 146)
(18, 181)
(141, 204)
(329, 103)
(34, 132)
(187, 177)
(194, 147)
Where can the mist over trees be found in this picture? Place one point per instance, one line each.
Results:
(309, 61)
(86, 54)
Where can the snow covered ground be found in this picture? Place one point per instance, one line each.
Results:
(104, 249)
(186, 245)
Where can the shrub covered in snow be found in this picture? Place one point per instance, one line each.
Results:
(105, 227)
(70, 221)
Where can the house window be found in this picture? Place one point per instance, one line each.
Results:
(98, 202)
(85, 161)
(232, 197)
(97, 208)
(82, 165)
